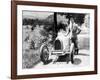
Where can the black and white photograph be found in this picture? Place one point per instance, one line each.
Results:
(55, 39)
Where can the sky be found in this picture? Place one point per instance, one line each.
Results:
(36, 14)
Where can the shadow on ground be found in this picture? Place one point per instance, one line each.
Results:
(65, 58)
(82, 54)
(77, 61)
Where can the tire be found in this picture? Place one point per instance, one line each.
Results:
(72, 56)
(45, 55)
(67, 58)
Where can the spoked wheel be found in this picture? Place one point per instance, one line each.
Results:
(45, 55)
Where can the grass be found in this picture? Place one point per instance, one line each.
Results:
(30, 58)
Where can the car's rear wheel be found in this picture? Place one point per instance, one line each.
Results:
(72, 54)
(45, 54)
(72, 58)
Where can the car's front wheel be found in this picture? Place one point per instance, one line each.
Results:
(45, 55)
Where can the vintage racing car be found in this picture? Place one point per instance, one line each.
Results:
(61, 46)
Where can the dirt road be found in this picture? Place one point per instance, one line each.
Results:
(80, 60)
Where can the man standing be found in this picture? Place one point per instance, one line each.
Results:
(74, 31)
